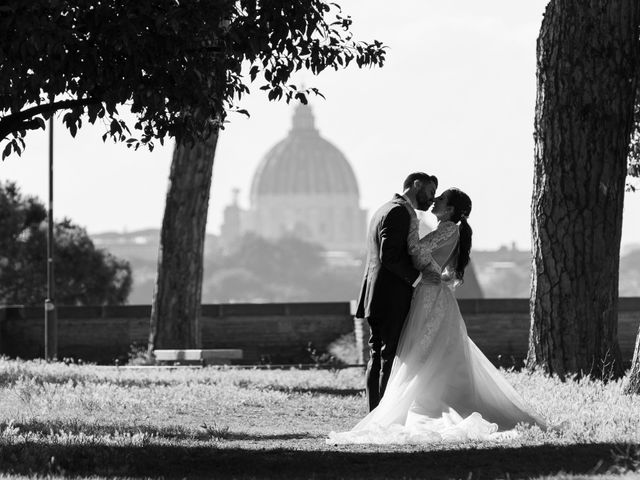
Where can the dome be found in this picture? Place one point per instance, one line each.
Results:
(303, 163)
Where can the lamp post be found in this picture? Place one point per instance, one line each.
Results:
(50, 315)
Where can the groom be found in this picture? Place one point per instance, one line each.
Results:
(389, 278)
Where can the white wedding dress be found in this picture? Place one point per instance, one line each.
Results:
(441, 388)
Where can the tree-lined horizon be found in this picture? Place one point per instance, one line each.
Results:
(85, 275)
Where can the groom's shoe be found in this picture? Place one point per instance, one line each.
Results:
(373, 381)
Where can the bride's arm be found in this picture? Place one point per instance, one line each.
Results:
(421, 249)
(437, 238)
(414, 235)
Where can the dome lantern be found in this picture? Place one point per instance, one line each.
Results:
(303, 120)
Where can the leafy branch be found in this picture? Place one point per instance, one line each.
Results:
(179, 67)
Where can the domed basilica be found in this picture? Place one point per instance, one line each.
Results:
(304, 186)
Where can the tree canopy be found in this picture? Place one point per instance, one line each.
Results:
(85, 275)
(177, 66)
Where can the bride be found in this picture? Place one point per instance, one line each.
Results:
(441, 388)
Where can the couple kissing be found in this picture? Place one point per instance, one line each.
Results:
(426, 380)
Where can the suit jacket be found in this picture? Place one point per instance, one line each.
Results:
(387, 286)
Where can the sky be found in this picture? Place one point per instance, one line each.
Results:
(456, 99)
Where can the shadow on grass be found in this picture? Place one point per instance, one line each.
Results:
(268, 437)
(210, 432)
(196, 461)
(75, 427)
(8, 379)
(337, 392)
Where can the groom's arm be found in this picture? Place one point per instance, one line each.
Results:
(393, 245)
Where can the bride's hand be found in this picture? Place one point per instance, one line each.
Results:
(431, 278)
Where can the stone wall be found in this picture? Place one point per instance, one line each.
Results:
(273, 333)
(500, 328)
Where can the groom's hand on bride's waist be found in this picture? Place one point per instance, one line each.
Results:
(431, 278)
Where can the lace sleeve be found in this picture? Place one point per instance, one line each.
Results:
(438, 237)
(420, 249)
(413, 237)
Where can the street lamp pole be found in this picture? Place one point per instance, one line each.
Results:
(50, 314)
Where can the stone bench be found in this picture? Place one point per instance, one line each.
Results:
(198, 355)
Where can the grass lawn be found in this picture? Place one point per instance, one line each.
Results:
(87, 421)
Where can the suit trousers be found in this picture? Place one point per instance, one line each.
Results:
(383, 342)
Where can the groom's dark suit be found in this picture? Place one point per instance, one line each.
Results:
(386, 291)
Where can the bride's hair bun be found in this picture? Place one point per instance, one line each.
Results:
(460, 202)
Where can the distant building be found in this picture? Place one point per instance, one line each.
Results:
(505, 272)
(304, 186)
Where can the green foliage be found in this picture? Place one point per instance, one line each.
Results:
(84, 275)
(178, 66)
(284, 270)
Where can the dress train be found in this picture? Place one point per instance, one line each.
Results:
(442, 387)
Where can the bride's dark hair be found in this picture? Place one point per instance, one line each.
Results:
(461, 204)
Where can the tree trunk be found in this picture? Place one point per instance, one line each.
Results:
(177, 295)
(587, 54)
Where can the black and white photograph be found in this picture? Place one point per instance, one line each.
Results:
(310, 239)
